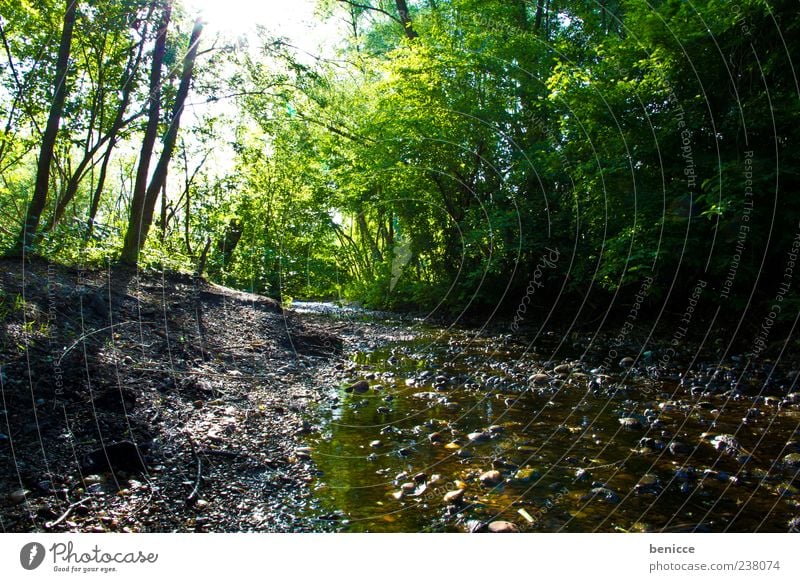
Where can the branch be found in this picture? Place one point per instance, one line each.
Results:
(374, 8)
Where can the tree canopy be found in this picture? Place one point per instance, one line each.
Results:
(428, 162)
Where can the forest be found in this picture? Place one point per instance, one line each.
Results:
(426, 162)
(609, 187)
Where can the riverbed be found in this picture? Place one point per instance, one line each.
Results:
(430, 428)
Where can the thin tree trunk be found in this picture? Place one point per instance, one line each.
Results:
(539, 13)
(134, 241)
(42, 185)
(133, 236)
(405, 19)
(164, 212)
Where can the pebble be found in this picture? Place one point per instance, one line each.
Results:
(375, 444)
(601, 494)
(648, 484)
(491, 478)
(679, 449)
(792, 461)
(526, 474)
(630, 423)
(358, 387)
(503, 527)
(478, 437)
(582, 475)
(539, 379)
(726, 443)
(626, 362)
(435, 437)
(454, 496)
(18, 496)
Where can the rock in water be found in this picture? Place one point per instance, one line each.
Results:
(630, 423)
(792, 461)
(503, 527)
(726, 443)
(679, 449)
(491, 478)
(358, 387)
(539, 379)
(526, 474)
(601, 494)
(478, 437)
(454, 497)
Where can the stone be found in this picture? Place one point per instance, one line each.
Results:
(376, 444)
(18, 496)
(358, 387)
(726, 443)
(792, 461)
(526, 474)
(454, 497)
(602, 494)
(502, 527)
(539, 379)
(679, 449)
(630, 422)
(478, 437)
(491, 478)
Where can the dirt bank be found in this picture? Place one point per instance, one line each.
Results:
(147, 401)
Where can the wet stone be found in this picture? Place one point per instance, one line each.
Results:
(630, 423)
(603, 494)
(454, 497)
(491, 478)
(792, 461)
(502, 527)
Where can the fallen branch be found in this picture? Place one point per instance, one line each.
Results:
(65, 515)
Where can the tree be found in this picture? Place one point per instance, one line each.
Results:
(42, 185)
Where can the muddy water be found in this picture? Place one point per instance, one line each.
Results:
(550, 443)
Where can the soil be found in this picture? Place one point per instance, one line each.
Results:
(154, 402)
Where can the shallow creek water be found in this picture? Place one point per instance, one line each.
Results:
(550, 441)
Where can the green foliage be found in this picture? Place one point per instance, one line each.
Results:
(433, 172)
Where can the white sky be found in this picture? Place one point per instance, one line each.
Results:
(294, 19)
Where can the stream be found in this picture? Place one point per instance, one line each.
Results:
(429, 428)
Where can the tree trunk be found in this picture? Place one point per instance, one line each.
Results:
(539, 13)
(405, 18)
(133, 236)
(135, 239)
(229, 241)
(42, 185)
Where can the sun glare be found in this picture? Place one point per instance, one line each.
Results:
(294, 19)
